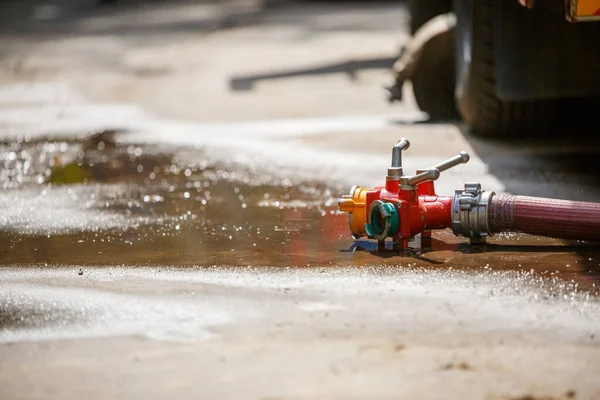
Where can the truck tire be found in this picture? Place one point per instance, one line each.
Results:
(433, 78)
(421, 11)
(476, 98)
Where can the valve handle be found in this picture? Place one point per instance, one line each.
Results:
(461, 158)
(434, 172)
(430, 175)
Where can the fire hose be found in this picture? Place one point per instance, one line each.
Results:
(408, 206)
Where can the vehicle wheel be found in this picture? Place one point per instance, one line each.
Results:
(422, 11)
(476, 98)
(433, 78)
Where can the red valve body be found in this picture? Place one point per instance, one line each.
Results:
(420, 210)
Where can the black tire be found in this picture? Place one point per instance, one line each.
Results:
(433, 79)
(422, 11)
(476, 98)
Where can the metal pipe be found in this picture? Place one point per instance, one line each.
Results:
(402, 144)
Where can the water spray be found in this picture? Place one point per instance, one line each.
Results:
(408, 206)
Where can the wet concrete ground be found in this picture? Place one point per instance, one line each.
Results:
(97, 201)
(196, 250)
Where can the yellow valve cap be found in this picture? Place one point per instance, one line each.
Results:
(355, 204)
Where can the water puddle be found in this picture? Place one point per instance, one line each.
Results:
(98, 201)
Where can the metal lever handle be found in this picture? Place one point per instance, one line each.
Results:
(430, 175)
(461, 158)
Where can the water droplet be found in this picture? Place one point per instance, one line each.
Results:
(153, 198)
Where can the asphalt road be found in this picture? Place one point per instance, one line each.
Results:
(168, 220)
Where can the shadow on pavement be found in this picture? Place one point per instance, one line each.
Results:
(526, 166)
(245, 83)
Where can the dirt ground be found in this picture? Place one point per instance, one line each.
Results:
(169, 228)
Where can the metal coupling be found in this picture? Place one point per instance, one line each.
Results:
(470, 212)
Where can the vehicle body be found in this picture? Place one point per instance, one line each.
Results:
(520, 65)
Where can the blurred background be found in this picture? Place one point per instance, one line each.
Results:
(211, 60)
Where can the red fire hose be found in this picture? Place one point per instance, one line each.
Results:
(545, 217)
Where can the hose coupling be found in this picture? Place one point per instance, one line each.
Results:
(470, 212)
(384, 220)
(355, 205)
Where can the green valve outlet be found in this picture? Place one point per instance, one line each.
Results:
(384, 220)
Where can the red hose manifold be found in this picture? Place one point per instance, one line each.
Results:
(408, 206)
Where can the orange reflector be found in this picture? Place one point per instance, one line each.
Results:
(588, 8)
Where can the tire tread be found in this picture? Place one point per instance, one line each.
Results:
(485, 113)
